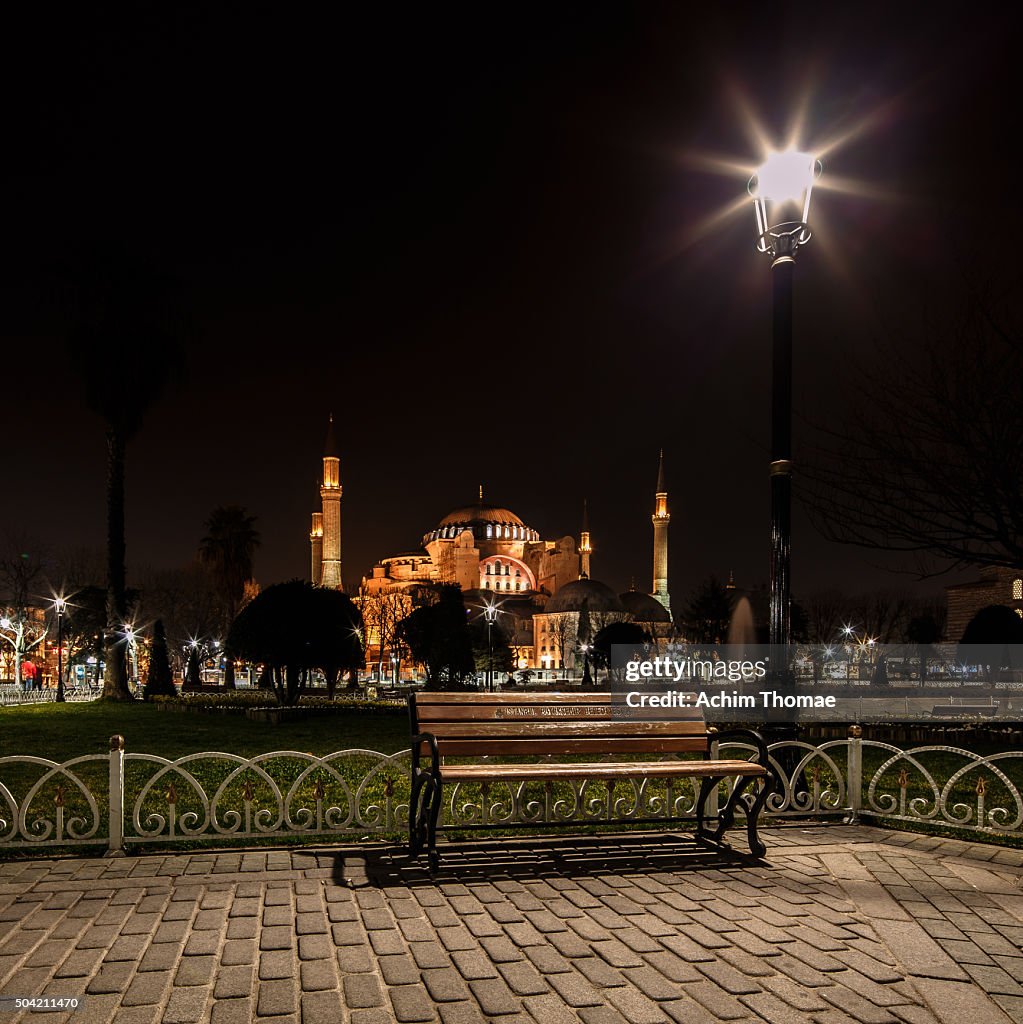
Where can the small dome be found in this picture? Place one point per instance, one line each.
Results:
(644, 608)
(599, 597)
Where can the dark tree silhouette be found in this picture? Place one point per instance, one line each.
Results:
(124, 340)
(930, 462)
(159, 681)
(437, 636)
(227, 551)
(294, 627)
(989, 639)
(708, 612)
(618, 643)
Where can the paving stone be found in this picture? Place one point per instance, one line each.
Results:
(148, 989)
(856, 1006)
(355, 960)
(234, 982)
(635, 1007)
(274, 966)
(242, 928)
(399, 970)
(720, 1004)
(362, 990)
(500, 950)
(195, 970)
(317, 975)
(387, 943)
(111, 978)
(798, 996)
(474, 966)
(955, 1003)
(917, 951)
(522, 978)
(548, 1009)
(599, 972)
(495, 997)
(276, 938)
(411, 1003)
(321, 1008)
(574, 989)
(186, 1006)
(276, 997)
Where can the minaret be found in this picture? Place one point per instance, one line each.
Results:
(660, 519)
(584, 546)
(330, 493)
(316, 546)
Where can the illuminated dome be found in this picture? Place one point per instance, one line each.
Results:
(486, 522)
(599, 597)
(480, 514)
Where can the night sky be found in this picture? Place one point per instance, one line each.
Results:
(480, 237)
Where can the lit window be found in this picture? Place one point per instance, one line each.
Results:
(1017, 590)
(1019, 612)
(490, 531)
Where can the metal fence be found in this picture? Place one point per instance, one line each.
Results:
(11, 694)
(134, 799)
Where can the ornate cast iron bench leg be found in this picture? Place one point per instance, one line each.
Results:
(415, 816)
(726, 819)
(706, 788)
(756, 845)
(434, 816)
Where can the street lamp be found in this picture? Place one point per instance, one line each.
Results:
(587, 679)
(490, 611)
(60, 606)
(781, 191)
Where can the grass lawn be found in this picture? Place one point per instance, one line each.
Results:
(63, 731)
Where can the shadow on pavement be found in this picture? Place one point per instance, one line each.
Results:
(518, 859)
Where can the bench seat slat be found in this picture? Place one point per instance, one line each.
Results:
(472, 747)
(444, 731)
(600, 770)
(464, 699)
(554, 713)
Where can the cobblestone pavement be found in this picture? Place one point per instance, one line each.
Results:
(840, 924)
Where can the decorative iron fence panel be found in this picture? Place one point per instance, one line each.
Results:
(216, 797)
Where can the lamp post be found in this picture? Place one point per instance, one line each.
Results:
(60, 606)
(781, 195)
(490, 611)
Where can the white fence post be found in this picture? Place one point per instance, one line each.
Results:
(115, 847)
(854, 773)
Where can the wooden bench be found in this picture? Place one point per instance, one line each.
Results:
(556, 726)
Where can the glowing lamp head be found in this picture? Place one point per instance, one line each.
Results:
(59, 605)
(5, 623)
(781, 191)
(786, 177)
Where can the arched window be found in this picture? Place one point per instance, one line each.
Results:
(490, 530)
(1017, 590)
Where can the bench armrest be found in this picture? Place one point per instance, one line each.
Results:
(751, 736)
(417, 741)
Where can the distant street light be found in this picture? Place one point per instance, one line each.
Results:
(60, 606)
(781, 196)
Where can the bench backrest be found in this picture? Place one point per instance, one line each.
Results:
(511, 724)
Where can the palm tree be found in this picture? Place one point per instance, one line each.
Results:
(227, 551)
(125, 341)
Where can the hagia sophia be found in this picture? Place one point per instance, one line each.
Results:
(541, 586)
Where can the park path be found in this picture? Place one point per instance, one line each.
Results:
(842, 923)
